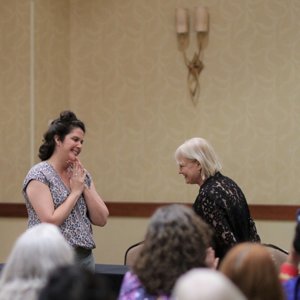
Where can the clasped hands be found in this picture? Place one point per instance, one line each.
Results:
(77, 175)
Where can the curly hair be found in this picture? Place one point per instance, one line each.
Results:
(176, 241)
(60, 127)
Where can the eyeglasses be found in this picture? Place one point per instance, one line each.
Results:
(191, 162)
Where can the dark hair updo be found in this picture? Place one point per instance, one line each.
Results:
(60, 127)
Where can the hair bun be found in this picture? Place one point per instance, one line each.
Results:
(67, 116)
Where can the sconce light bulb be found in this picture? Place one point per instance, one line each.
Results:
(182, 20)
(201, 19)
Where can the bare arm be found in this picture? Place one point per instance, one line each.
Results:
(41, 200)
(98, 212)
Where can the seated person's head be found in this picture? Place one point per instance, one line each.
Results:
(76, 283)
(205, 284)
(176, 241)
(37, 252)
(251, 268)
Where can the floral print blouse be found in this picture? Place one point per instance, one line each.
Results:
(77, 227)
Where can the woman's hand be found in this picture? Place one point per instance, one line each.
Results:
(77, 177)
(211, 260)
(98, 212)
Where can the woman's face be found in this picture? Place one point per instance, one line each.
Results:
(191, 170)
(72, 143)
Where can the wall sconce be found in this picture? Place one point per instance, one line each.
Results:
(194, 65)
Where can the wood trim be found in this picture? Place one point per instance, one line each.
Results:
(144, 210)
(274, 212)
(12, 210)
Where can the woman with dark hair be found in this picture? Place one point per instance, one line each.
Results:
(59, 190)
(75, 283)
(176, 241)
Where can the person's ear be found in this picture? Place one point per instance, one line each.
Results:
(200, 171)
(198, 166)
(56, 139)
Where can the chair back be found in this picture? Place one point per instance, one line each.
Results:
(132, 252)
(278, 254)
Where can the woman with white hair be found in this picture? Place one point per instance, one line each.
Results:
(36, 253)
(205, 284)
(220, 202)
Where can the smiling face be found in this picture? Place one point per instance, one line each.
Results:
(191, 170)
(72, 143)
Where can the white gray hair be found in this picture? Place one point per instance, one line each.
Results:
(37, 252)
(206, 284)
(200, 150)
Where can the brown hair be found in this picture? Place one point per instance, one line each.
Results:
(251, 268)
(61, 126)
(176, 241)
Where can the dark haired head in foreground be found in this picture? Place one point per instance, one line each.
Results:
(76, 283)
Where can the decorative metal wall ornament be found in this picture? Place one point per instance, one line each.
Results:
(194, 65)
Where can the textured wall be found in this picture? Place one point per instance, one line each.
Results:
(129, 82)
(52, 63)
(116, 64)
(14, 97)
(34, 82)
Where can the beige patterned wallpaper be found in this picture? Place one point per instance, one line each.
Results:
(51, 61)
(116, 64)
(14, 96)
(126, 70)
